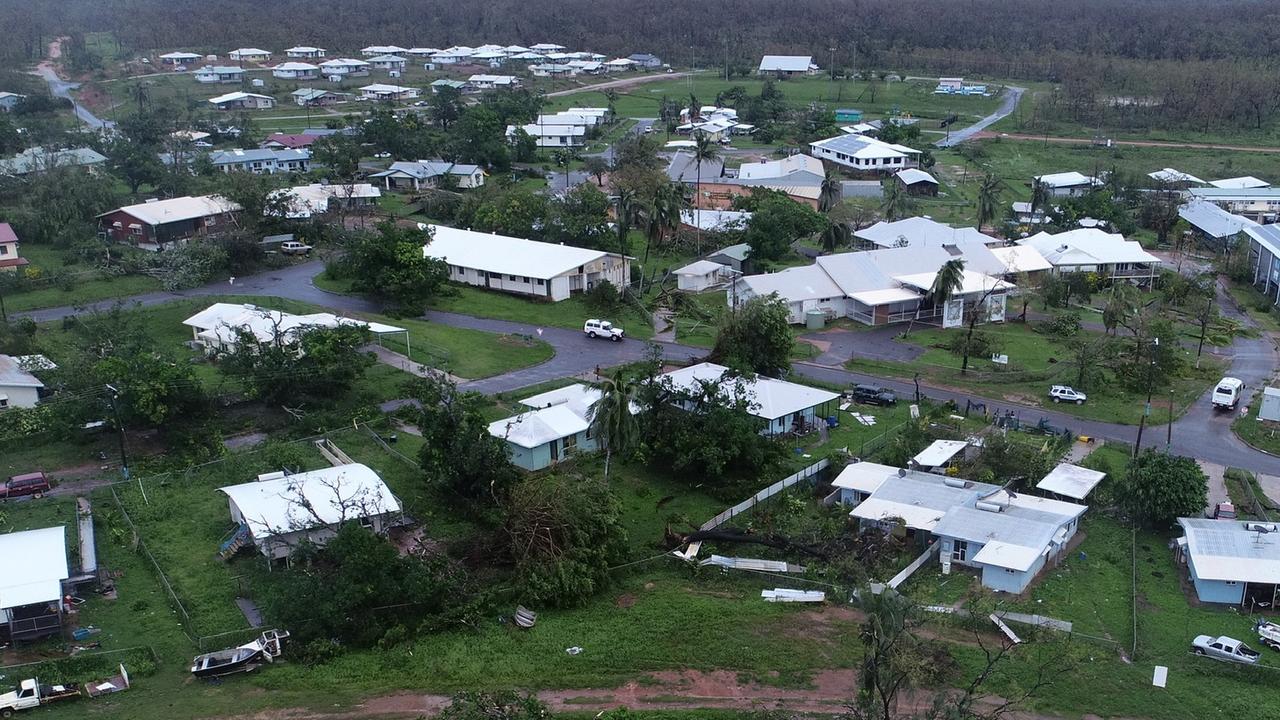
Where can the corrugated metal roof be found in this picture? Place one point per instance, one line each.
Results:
(770, 398)
(1070, 480)
(311, 499)
(1227, 550)
(33, 564)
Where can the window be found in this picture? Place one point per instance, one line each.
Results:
(1232, 583)
(541, 283)
(571, 442)
(4, 249)
(4, 402)
(1008, 571)
(959, 550)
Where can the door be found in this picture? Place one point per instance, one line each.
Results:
(953, 314)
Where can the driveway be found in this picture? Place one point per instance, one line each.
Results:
(1008, 102)
(839, 345)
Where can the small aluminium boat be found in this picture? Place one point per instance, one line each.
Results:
(244, 658)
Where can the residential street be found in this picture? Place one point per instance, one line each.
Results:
(1201, 432)
(1007, 105)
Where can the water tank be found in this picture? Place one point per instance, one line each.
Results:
(257, 82)
(815, 320)
(990, 507)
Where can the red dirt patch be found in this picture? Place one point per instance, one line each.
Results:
(625, 601)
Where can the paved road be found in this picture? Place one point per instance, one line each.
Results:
(1007, 104)
(619, 84)
(1200, 433)
(61, 88)
(1131, 143)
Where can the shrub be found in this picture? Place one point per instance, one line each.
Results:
(1061, 325)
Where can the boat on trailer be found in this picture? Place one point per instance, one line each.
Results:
(242, 658)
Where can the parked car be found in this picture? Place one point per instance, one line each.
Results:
(872, 395)
(1268, 633)
(382, 155)
(602, 328)
(1225, 649)
(1223, 511)
(1065, 393)
(35, 484)
(1226, 394)
(293, 247)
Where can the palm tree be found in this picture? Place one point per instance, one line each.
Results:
(626, 209)
(663, 214)
(704, 150)
(1039, 196)
(611, 97)
(1122, 304)
(988, 198)
(950, 278)
(612, 422)
(896, 202)
(829, 195)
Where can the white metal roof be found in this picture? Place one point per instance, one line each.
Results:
(911, 176)
(221, 322)
(237, 95)
(916, 517)
(383, 49)
(311, 499)
(12, 374)
(770, 398)
(781, 168)
(867, 148)
(786, 63)
(1227, 550)
(578, 397)
(1213, 220)
(248, 51)
(809, 282)
(384, 89)
(1071, 481)
(1088, 246)
(303, 201)
(181, 56)
(1007, 555)
(304, 49)
(1170, 175)
(1021, 258)
(538, 427)
(917, 231)
(33, 564)
(507, 255)
(343, 62)
(885, 296)
(702, 267)
(717, 220)
(970, 282)
(1068, 179)
(939, 452)
(864, 477)
(179, 209)
(295, 66)
(1248, 182)
(922, 499)
(387, 59)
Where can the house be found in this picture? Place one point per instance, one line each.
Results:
(703, 275)
(515, 50)
(1269, 409)
(619, 65)
(10, 261)
(452, 56)
(9, 101)
(550, 70)
(685, 168)
(1025, 214)
(492, 58)
(568, 117)
(421, 53)
(490, 82)
(306, 201)
(950, 84)
(783, 406)
(33, 568)
(787, 65)
(376, 50)
(304, 52)
(736, 257)
(524, 267)
(1260, 204)
(557, 425)
(389, 93)
(916, 182)
(645, 61)
(18, 387)
(461, 86)
(798, 176)
(1071, 481)
(296, 71)
(253, 55)
(243, 101)
(38, 159)
(1067, 184)
(551, 136)
(344, 67)
(1212, 224)
(163, 224)
(586, 67)
(529, 56)
(221, 74)
(419, 174)
(714, 220)
(1021, 260)
(858, 480)
(281, 141)
(920, 231)
(1248, 182)
(315, 97)
(865, 154)
(279, 512)
(179, 58)
(547, 47)
(1231, 562)
(389, 62)
(1175, 178)
(1264, 256)
(1094, 251)
(848, 115)
(261, 161)
(218, 327)
(888, 285)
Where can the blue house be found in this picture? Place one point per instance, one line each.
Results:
(1006, 538)
(557, 425)
(1230, 562)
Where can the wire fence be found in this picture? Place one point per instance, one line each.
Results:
(155, 565)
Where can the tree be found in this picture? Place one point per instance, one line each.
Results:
(445, 106)
(458, 452)
(479, 136)
(1040, 197)
(155, 389)
(893, 657)
(501, 705)
(663, 214)
(613, 421)
(989, 199)
(1160, 488)
(897, 203)
(390, 265)
(596, 166)
(563, 533)
(831, 189)
(756, 337)
(704, 150)
(626, 212)
(291, 366)
(1122, 304)
(776, 222)
(135, 164)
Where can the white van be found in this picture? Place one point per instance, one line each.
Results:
(1226, 394)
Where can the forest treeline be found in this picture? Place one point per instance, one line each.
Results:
(1120, 62)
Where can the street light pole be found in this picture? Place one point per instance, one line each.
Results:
(115, 412)
(1142, 424)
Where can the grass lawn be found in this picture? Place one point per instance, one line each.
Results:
(88, 284)
(1259, 307)
(1037, 361)
(1262, 434)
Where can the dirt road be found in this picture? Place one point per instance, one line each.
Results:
(1131, 143)
(619, 84)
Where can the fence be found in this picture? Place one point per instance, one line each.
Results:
(164, 580)
(749, 504)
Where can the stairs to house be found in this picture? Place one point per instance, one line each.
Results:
(234, 544)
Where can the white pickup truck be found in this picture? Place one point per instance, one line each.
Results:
(31, 694)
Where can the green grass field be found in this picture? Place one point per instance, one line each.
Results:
(87, 285)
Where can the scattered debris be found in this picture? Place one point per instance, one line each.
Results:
(787, 595)
(525, 617)
(1005, 629)
(575, 650)
(753, 564)
(1160, 677)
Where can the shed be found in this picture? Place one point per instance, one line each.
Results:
(1270, 408)
(1071, 481)
(917, 182)
(734, 256)
(939, 454)
(33, 565)
(848, 115)
(702, 275)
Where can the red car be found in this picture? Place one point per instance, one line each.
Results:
(34, 484)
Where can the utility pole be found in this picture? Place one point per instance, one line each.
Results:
(1142, 424)
(124, 453)
(833, 63)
